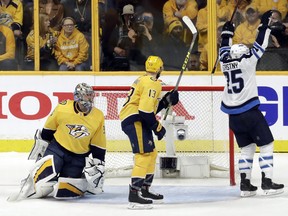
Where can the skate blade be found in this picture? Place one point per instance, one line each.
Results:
(247, 193)
(272, 192)
(138, 206)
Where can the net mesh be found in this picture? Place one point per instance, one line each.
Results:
(207, 128)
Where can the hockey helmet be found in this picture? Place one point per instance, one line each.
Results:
(154, 64)
(237, 50)
(84, 95)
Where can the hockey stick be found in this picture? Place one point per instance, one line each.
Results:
(217, 59)
(193, 30)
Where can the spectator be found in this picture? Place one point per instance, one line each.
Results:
(246, 32)
(194, 62)
(174, 49)
(239, 16)
(71, 49)
(55, 11)
(204, 55)
(7, 48)
(280, 5)
(147, 40)
(278, 35)
(47, 40)
(118, 40)
(175, 10)
(15, 9)
(80, 11)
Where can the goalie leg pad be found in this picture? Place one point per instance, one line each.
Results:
(39, 147)
(40, 175)
(70, 188)
(94, 172)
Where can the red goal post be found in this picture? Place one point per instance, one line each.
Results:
(208, 130)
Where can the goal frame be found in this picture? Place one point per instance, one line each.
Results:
(189, 88)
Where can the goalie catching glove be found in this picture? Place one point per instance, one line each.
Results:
(171, 97)
(94, 173)
(39, 147)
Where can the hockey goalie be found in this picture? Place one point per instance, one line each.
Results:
(69, 151)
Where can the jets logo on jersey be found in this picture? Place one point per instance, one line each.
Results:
(78, 131)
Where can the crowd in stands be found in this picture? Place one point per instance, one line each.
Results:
(129, 32)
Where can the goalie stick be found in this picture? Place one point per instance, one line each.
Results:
(217, 59)
(25, 186)
(193, 30)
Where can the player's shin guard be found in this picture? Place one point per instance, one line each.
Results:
(245, 168)
(266, 165)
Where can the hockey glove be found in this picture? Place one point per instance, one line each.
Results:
(94, 172)
(228, 30)
(170, 97)
(39, 147)
(266, 17)
(159, 130)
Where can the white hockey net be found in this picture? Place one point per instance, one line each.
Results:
(208, 131)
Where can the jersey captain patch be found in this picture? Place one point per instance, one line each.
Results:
(78, 131)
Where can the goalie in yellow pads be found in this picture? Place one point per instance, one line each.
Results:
(138, 120)
(74, 131)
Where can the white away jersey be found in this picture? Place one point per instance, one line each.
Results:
(240, 93)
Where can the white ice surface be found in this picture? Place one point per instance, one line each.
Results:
(199, 197)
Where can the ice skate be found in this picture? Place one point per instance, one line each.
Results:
(137, 201)
(269, 187)
(247, 189)
(146, 193)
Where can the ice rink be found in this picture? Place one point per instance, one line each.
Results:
(195, 197)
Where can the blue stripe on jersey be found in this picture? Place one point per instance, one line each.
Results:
(240, 109)
(255, 53)
(258, 46)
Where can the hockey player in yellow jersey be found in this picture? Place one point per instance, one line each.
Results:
(138, 120)
(75, 142)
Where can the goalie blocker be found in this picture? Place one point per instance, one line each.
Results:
(39, 147)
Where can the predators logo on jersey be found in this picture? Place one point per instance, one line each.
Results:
(78, 131)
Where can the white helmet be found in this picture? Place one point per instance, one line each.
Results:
(237, 50)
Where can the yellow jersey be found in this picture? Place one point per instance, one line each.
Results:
(143, 96)
(76, 131)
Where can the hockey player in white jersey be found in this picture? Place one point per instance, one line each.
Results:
(240, 101)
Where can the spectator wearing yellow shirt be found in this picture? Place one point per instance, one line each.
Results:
(47, 40)
(15, 9)
(239, 16)
(71, 49)
(175, 10)
(246, 32)
(7, 49)
(264, 5)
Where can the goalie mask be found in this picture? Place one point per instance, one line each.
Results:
(237, 50)
(154, 64)
(84, 95)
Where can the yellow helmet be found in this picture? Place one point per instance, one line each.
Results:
(154, 64)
